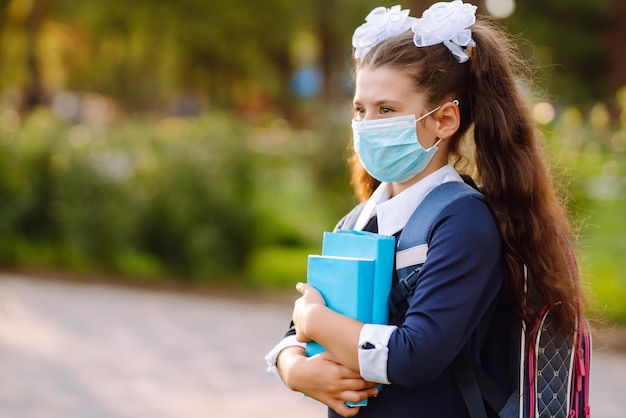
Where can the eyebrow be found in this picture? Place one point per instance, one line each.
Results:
(380, 102)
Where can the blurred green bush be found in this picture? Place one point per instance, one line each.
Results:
(141, 198)
(184, 198)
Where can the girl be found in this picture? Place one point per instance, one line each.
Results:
(454, 77)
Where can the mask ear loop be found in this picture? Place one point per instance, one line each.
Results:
(424, 116)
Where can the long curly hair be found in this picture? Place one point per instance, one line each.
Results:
(507, 160)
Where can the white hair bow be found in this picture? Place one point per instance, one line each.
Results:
(443, 22)
(447, 23)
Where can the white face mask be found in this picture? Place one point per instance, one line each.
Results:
(389, 149)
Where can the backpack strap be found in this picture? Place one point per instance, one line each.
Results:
(579, 400)
(475, 385)
(413, 241)
(468, 385)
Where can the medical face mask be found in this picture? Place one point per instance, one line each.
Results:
(389, 149)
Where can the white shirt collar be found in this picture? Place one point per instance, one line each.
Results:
(394, 213)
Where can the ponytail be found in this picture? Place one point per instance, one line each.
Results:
(516, 179)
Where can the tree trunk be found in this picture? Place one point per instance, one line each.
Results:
(33, 92)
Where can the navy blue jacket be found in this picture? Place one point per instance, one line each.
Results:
(452, 308)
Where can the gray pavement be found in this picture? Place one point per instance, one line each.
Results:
(93, 350)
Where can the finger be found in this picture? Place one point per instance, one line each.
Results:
(301, 287)
(370, 387)
(372, 392)
(355, 384)
(344, 410)
(354, 397)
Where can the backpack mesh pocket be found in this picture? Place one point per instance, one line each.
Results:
(552, 375)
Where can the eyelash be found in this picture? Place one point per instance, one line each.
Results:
(383, 110)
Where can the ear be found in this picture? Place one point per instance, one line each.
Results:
(448, 119)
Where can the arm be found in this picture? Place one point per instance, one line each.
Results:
(349, 340)
(322, 378)
(457, 285)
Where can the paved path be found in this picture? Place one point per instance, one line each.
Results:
(72, 350)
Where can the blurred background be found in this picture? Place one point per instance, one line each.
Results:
(200, 145)
(204, 142)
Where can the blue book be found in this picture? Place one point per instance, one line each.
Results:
(362, 244)
(346, 284)
(370, 246)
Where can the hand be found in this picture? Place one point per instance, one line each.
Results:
(322, 378)
(303, 308)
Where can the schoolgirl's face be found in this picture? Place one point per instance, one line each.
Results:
(384, 92)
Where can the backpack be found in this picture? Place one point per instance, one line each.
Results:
(553, 369)
(553, 372)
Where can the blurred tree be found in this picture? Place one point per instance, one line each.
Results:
(30, 15)
(156, 51)
(567, 38)
(613, 39)
(184, 56)
(33, 90)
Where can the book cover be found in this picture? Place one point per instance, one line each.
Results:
(362, 244)
(346, 284)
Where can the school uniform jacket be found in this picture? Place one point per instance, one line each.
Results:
(451, 308)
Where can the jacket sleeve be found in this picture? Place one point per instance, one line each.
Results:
(458, 282)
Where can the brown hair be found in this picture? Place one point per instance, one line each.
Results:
(510, 166)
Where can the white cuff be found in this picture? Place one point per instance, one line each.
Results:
(374, 352)
(272, 356)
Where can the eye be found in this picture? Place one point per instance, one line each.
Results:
(385, 110)
(359, 112)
